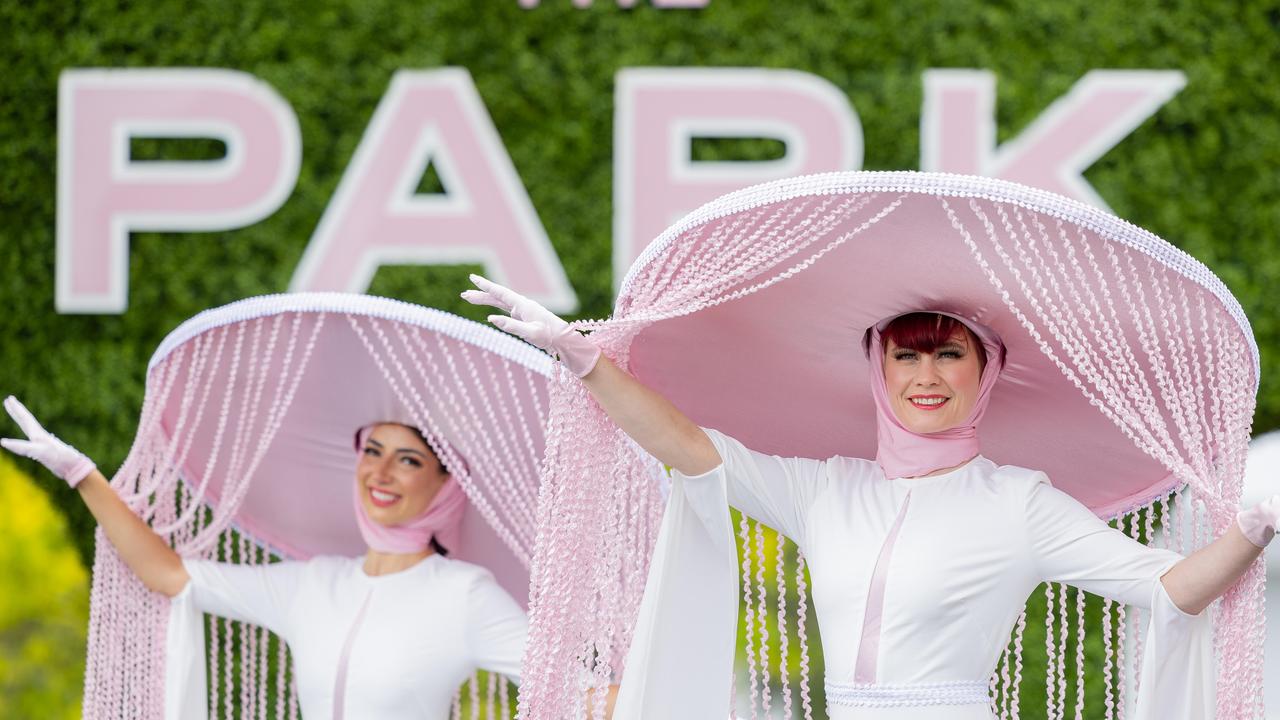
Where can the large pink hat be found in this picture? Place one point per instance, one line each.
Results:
(1130, 369)
(478, 396)
(781, 367)
(244, 454)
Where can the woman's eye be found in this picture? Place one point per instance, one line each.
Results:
(951, 354)
(412, 462)
(371, 451)
(904, 356)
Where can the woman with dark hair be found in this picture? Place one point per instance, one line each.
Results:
(390, 634)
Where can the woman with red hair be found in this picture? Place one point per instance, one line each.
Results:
(922, 558)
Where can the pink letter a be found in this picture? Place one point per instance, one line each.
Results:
(485, 216)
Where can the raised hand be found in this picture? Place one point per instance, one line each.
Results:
(536, 325)
(42, 446)
(1258, 523)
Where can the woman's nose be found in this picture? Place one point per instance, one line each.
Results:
(926, 372)
(382, 470)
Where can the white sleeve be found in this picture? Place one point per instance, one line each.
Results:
(496, 627)
(691, 592)
(775, 490)
(1072, 545)
(1179, 673)
(692, 588)
(258, 594)
(186, 694)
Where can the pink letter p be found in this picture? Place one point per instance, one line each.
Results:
(103, 194)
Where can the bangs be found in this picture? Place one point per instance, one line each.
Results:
(924, 332)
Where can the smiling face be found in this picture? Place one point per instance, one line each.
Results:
(397, 474)
(933, 391)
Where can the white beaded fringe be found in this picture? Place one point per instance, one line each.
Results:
(959, 692)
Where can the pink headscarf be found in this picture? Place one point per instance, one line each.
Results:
(903, 453)
(441, 519)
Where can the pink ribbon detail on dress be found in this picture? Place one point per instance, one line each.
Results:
(864, 670)
(902, 453)
(344, 661)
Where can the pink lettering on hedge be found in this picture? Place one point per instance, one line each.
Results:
(958, 130)
(660, 111)
(484, 215)
(103, 194)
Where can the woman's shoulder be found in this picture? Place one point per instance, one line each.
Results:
(322, 567)
(474, 582)
(1034, 492)
(458, 571)
(434, 570)
(330, 562)
(848, 468)
(1014, 482)
(1014, 474)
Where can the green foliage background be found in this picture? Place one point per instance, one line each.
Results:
(1201, 172)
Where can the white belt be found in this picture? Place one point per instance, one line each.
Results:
(959, 692)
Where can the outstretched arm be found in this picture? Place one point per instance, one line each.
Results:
(1200, 578)
(650, 419)
(146, 554)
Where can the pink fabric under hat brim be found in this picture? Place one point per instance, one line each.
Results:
(782, 368)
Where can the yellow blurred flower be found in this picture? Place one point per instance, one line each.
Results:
(44, 604)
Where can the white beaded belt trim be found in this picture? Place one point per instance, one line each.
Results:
(959, 692)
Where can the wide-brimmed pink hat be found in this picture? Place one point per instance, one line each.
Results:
(244, 454)
(1130, 370)
(775, 358)
(304, 371)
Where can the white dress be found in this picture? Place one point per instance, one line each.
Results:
(917, 584)
(393, 646)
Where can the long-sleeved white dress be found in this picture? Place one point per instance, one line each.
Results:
(917, 584)
(394, 646)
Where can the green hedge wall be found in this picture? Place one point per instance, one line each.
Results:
(1201, 172)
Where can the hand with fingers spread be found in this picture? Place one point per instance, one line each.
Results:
(1259, 522)
(42, 446)
(650, 419)
(536, 325)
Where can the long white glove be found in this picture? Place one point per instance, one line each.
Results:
(42, 446)
(1259, 522)
(536, 325)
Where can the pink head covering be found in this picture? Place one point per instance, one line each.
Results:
(440, 520)
(903, 453)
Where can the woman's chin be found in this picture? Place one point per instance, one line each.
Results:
(929, 426)
(385, 516)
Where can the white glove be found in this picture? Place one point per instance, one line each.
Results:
(536, 325)
(42, 446)
(1258, 523)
